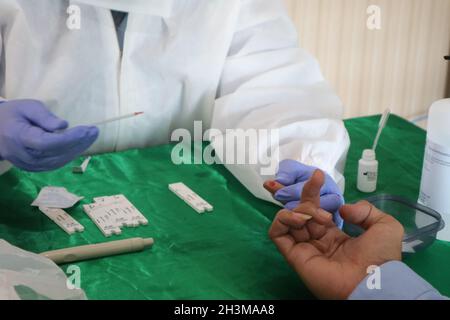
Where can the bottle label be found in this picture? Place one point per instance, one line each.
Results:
(371, 176)
(435, 185)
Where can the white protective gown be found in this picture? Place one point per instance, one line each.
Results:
(228, 63)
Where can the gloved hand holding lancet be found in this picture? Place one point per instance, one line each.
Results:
(34, 139)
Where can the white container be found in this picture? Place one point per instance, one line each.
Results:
(435, 185)
(367, 172)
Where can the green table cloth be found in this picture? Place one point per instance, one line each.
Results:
(221, 255)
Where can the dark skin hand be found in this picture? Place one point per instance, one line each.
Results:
(330, 262)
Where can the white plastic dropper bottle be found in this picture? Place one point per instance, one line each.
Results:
(368, 165)
(368, 172)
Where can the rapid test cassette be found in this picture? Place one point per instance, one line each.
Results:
(111, 213)
(104, 218)
(190, 197)
(63, 220)
(127, 214)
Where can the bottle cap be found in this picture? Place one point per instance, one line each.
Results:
(369, 155)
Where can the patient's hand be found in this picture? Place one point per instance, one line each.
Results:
(330, 262)
(290, 181)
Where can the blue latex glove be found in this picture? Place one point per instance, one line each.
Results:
(32, 140)
(293, 175)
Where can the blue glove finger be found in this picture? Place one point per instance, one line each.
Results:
(338, 221)
(20, 157)
(48, 144)
(290, 193)
(19, 163)
(53, 163)
(330, 203)
(292, 205)
(58, 161)
(291, 171)
(293, 192)
(35, 112)
(330, 186)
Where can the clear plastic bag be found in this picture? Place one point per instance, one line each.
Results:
(28, 276)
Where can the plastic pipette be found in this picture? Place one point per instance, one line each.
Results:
(383, 122)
